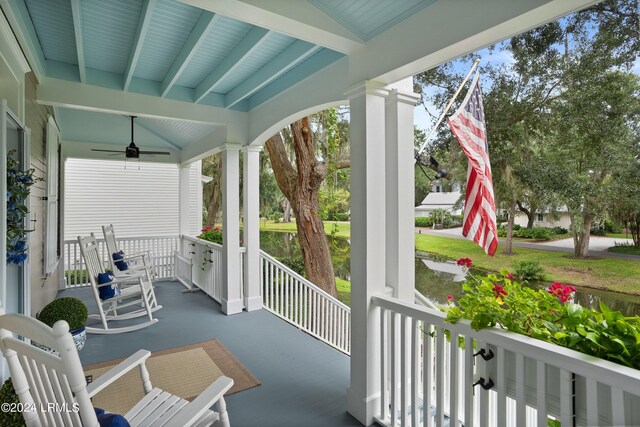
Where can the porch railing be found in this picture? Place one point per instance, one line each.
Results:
(429, 364)
(161, 248)
(290, 296)
(206, 266)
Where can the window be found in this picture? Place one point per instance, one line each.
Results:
(540, 217)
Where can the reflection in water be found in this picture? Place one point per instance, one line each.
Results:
(437, 276)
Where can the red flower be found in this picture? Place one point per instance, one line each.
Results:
(466, 262)
(216, 229)
(511, 276)
(499, 291)
(207, 228)
(449, 298)
(563, 292)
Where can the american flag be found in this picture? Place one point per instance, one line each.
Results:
(467, 124)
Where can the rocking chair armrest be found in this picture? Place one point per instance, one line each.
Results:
(118, 280)
(131, 362)
(188, 415)
(134, 255)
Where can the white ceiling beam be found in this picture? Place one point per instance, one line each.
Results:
(242, 51)
(286, 60)
(427, 38)
(138, 41)
(205, 24)
(298, 19)
(77, 29)
(207, 145)
(75, 95)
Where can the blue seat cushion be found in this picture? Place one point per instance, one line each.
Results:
(118, 257)
(106, 292)
(107, 419)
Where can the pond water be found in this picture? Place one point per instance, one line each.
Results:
(436, 277)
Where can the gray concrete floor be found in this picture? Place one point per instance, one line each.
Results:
(304, 381)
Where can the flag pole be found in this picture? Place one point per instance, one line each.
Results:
(446, 109)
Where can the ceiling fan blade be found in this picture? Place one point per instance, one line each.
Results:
(155, 152)
(107, 151)
(114, 154)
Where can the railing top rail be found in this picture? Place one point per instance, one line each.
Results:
(305, 281)
(169, 236)
(208, 243)
(603, 371)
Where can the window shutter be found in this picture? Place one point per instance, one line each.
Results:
(51, 237)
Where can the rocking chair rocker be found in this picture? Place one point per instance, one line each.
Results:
(45, 380)
(140, 295)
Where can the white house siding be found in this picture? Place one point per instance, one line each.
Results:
(138, 202)
(564, 220)
(43, 287)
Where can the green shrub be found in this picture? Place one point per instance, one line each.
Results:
(72, 310)
(611, 227)
(502, 232)
(456, 220)
(424, 221)
(538, 233)
(529, 270)
(343, 216)
(76, 277)
(598, 231)
(559, 230)
(8, 395)
(516, 227)
(296, 263)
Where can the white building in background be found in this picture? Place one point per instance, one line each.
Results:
(139, 199)
(547, 218)
(438, 199)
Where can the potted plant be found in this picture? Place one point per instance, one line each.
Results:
(71, 310)
(8, 395)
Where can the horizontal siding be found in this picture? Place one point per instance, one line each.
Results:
(138, 203)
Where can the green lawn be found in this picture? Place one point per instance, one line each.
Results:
(343, 228)
(625, 250)
(612, 274)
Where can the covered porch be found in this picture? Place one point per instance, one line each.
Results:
(223, 76)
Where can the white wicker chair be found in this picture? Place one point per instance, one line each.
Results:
(140, 295)
(43, 380)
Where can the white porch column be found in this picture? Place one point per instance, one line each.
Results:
(184, 179)
(251, 217)
(399, 165)
(231, 292)
(367, 110)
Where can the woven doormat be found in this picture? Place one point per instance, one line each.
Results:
(183, 371)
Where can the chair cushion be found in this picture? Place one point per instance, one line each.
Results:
(107, 292)
(118, 257)
(110, 420)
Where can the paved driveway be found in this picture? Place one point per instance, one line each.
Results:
(596, 243)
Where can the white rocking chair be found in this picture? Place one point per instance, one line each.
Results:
(139, 295)
(137, 261)
(53, 390)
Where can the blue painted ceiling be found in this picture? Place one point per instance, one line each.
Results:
(171, 49)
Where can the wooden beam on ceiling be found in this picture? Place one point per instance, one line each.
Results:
(285, 61)
(138, 41)
(77, 29)
(242, 51)
(203, 27)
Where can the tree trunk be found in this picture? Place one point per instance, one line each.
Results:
(581, 236)
(300, 186)
(530, 213)
(634, 227)
(508, 245)
(287, 211)
(214, 205)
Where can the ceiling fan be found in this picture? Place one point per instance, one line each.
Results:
(132, 151)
